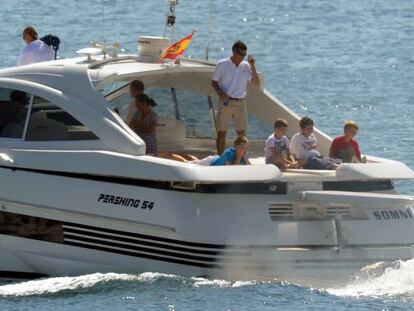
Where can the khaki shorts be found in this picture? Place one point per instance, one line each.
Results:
(236, 110)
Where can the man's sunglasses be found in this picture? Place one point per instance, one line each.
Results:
(241, 53)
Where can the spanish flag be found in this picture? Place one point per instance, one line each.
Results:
(177, 49)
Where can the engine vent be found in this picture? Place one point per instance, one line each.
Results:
(281, 211)
(344, 211)
(291, 212)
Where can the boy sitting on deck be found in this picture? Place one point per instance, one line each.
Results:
(305, 147)
(345, 147)
(277, 148)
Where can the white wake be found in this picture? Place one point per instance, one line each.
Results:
(55, 285)
(58, 284)
(392, 282)
(198, 282)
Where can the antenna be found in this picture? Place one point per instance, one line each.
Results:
(103, 29)
(103, 26)
(170, 18)
(210, 9)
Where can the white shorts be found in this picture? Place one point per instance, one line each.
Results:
(205, 161)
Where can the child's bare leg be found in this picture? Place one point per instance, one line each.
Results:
(171, 156)
(188, 157)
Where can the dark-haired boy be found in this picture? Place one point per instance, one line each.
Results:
(305, 148)
(277, 147)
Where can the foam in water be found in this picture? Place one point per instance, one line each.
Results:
(394, 281)
(220, 283)
(374, 281)
(58, 284)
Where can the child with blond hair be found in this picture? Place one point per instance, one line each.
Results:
(346, 147)
(236, 155)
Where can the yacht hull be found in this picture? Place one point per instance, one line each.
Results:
(24, 259)
(94, 224)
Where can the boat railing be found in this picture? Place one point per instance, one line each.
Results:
(107, 61)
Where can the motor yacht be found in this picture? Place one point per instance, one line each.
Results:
(79, 195)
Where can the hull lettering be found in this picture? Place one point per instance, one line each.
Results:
(123, 201)
(394, 214)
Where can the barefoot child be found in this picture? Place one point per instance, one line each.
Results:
(277, 147)
(305, 148)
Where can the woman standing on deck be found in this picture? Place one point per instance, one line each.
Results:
(144, 122)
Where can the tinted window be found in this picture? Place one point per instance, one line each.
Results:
(162, 97)
(49, 122)
(113, 87)
(13, 111)
(194, 110)
(120, 104)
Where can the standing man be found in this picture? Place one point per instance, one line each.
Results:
(36, 50)
(136, 88)
(230, 82)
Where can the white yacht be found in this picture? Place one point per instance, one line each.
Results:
(78, 194)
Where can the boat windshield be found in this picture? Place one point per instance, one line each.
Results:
(186, 108)
(197, 110)
(113, 87)
(172, 104)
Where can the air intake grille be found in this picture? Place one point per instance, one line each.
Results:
(344, 211)
(289, 212)
(281, 211)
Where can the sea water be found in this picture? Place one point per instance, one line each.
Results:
(330, 60)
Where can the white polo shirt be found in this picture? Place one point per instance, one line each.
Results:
(36, 51)
(304, 147)
(233, 79)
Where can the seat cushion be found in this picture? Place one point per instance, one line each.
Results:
(171, 134)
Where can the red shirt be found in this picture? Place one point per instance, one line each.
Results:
(342, 150)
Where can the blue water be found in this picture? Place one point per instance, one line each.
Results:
(331, 60)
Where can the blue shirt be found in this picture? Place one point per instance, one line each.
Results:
(229, 155)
